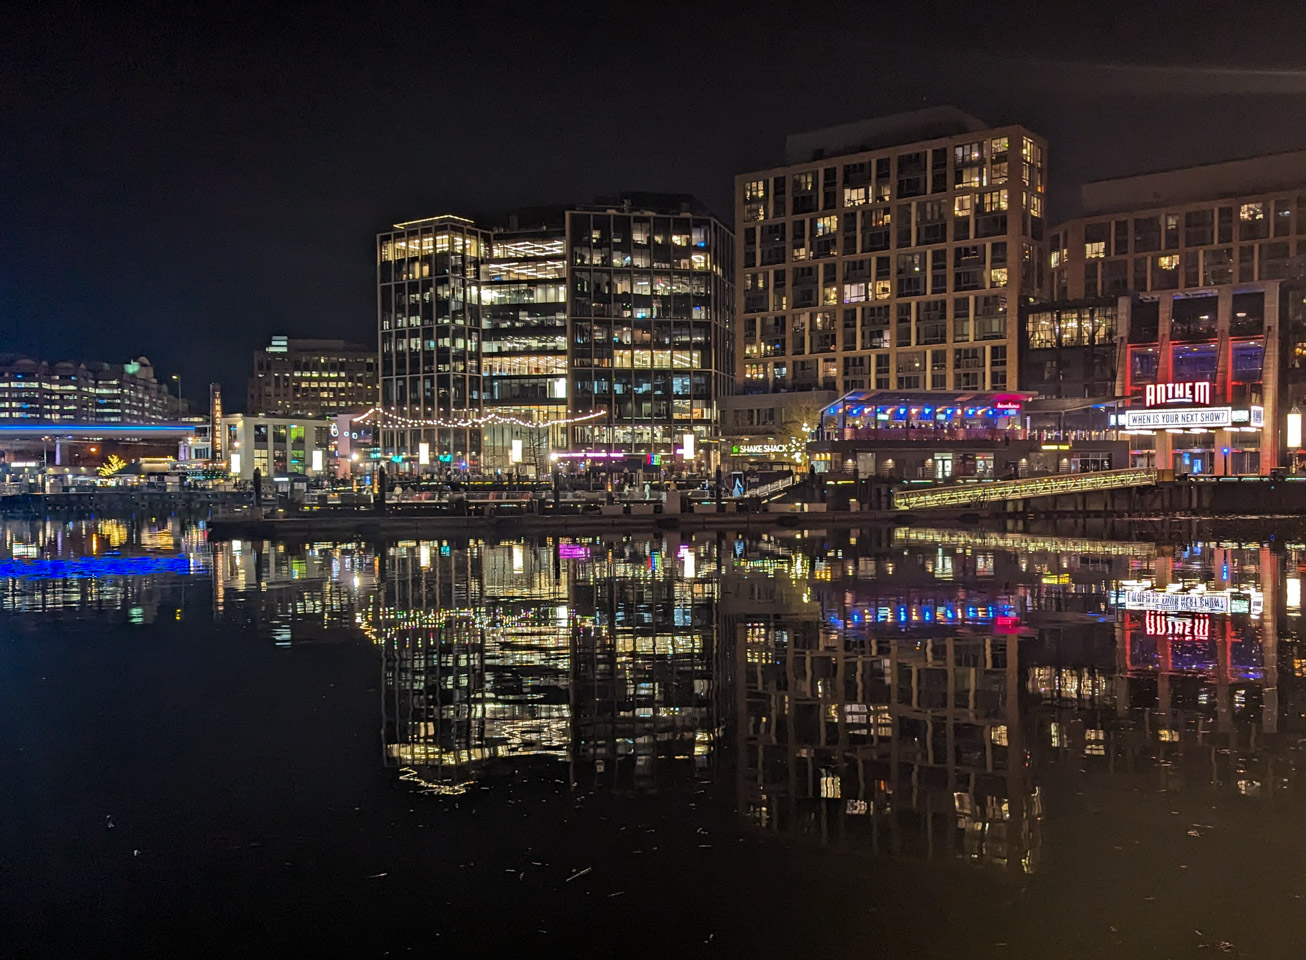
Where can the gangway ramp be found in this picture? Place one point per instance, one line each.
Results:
(974, 494)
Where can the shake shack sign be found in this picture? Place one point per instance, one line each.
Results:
(1194, 392)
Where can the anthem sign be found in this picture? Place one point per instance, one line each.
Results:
(1197, 392)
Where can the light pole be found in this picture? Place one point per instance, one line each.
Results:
(177, 377)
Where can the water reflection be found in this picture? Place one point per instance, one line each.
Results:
(914, 693)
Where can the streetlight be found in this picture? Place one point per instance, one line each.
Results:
(177, 377)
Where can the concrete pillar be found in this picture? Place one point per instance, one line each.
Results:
(1164, 374)
(1270, 377)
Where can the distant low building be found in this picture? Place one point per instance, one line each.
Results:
(275, 446)
(84, 391)
(312, 378)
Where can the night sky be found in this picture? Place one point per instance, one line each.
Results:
(184, 182)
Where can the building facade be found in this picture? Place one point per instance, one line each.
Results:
(1192, 228)
(276, 447)
(890, 254)
(1199, 381)
(524, 342)
(603, 328)
(652, 299)
(312, 378)
(84, 391)
(429, 329)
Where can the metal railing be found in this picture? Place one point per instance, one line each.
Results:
(972, 494)
(769, 491)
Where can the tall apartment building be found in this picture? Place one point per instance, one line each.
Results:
(890, 254)
(610, 321)
(1190, 228)
(84, 391)
(312, 378)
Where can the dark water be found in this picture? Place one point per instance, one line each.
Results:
(913, 743)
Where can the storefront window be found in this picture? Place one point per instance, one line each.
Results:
(1143, 364)
(1248, 360)
(1195, 362)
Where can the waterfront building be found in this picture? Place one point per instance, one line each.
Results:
(429, 329)
(84, 392)
(275, 446)
(312, 378)
(890, 254)
(601, 328)
(524, 337)
(1200, 381)
(1184, 229)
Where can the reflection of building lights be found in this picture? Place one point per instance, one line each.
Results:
(1292, 595)
(1294, 428)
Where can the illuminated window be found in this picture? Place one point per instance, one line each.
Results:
(963, 205)
(755, 190)
(998, 145)
(803, 181)
(824, 226)
(1252, 211)
(998, 277)
(855, 196)
(993, 201)
(998, 735)
(1093, 251)
(1054, 260)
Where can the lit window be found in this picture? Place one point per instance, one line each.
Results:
(755, 190)
(963, 205)
(1169, 261)
(998, 277)
(1092, 251)
(1055, 259)
(855, 196)
(993, 201)
(824, 226)
(998, 145)
(1252, 211)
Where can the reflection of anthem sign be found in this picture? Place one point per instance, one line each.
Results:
(1195, 392)
(1209, 417)
(1181, 628)
(1176, 602)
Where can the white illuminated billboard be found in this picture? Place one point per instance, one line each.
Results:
(1210, 417)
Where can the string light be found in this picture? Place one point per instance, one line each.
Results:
(378, 417)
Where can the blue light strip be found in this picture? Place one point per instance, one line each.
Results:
(97, 428)
(91, 568)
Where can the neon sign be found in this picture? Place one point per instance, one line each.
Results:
(1192, 391)
(1193, 417)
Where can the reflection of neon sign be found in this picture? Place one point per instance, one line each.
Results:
(1193, 391)
(573, 551)
(1159, 624)
(1176, 602)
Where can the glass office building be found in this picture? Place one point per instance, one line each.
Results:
(600, 328)
(429, 320)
